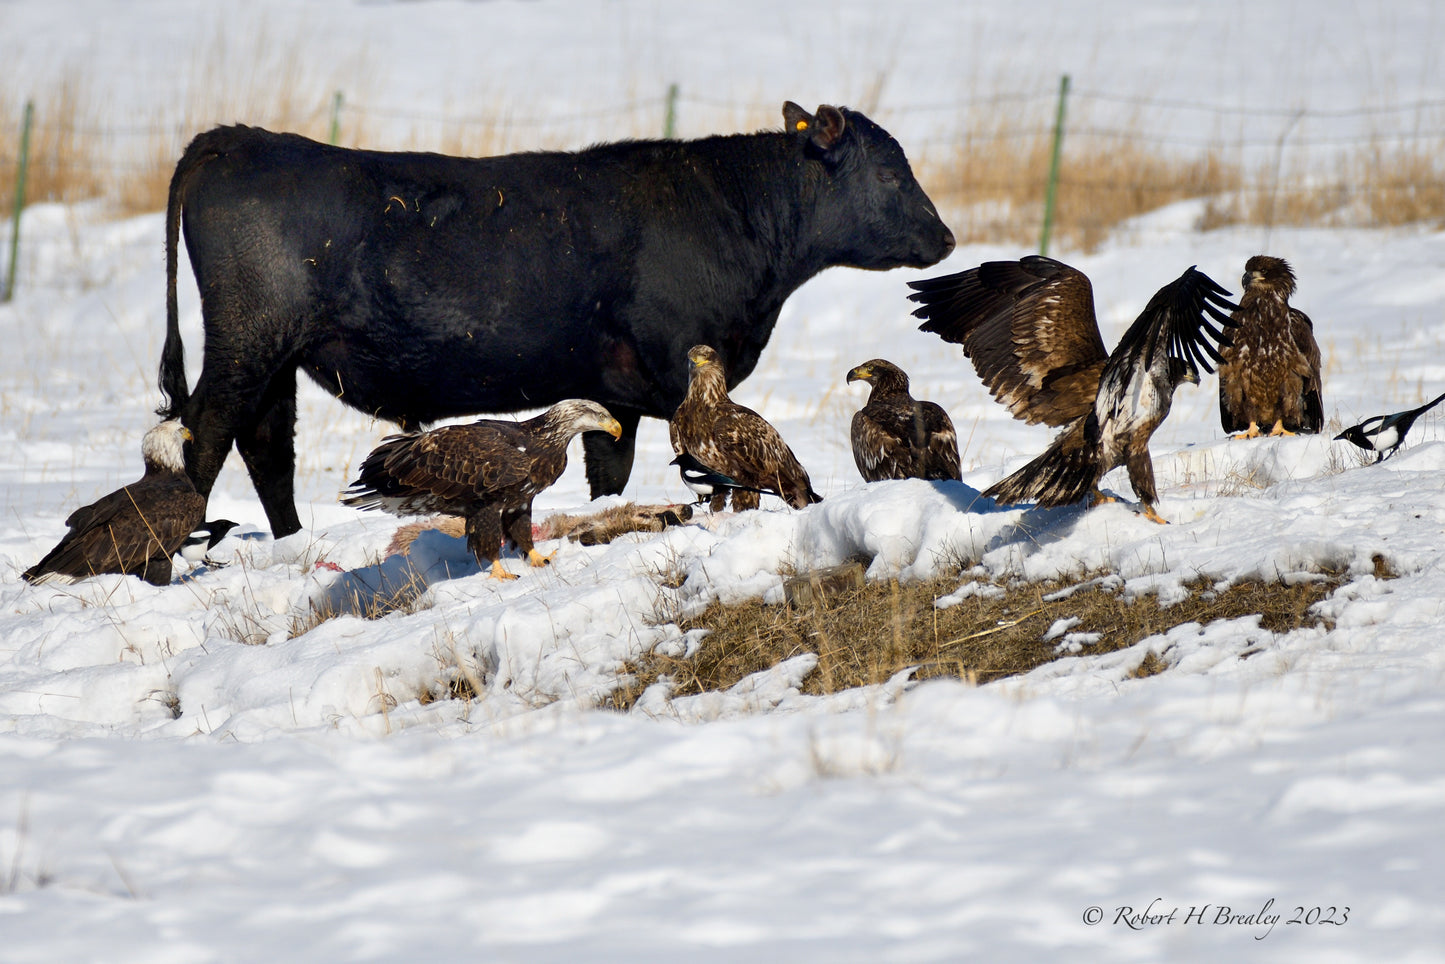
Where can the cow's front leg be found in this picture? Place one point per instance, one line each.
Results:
(609, 463)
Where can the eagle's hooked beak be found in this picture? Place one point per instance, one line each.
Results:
(186, 434)
(859, 374)
(612, 427)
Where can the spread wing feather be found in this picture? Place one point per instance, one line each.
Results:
(1177, 321)
(1029, 328)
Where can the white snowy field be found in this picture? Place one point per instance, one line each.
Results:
(181, 781)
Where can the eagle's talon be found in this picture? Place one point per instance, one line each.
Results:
(1279, 430)
(1251, 432)
(1153, 516)
(501, 574)
(538, 560)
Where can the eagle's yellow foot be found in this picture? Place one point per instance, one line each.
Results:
(501, 574)
(1279, 429)
(1099, 498)
(1251, 432)
(537, 559)
(1153, 516)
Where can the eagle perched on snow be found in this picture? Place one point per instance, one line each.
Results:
(897, 437)
(488, 472)
(137, 528)
(1029, 328)
(734, 441)
(1269, 378)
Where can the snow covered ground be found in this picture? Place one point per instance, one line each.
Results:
(180, 781)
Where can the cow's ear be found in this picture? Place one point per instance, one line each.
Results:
(824, 131)
(830, 126)
(797, 120)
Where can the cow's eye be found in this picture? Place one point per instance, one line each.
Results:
(888, 177)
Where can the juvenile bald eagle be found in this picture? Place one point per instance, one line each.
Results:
(137, 528)
(896, 437)
(488, 472)
(1383, 434)
(1030, 330)
(1269, 378)
(734, 440)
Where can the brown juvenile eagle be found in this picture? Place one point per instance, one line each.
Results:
(488, 472)
(1269, 379)
(733, 440)
(137, 528)
(1030, 330)
(896, 437)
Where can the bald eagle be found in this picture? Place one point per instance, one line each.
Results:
(734, 441)
(1029, 328)
(1269, 378)
(488, 472)
(137, 528)
(896, 437)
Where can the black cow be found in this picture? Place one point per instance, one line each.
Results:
(417, 287)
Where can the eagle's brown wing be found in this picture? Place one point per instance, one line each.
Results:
(899, 438)
(742, 444)
(940, 454)
(135, 529)
(1029, 328)
(1312, 406)
(880, 450)
(447, 470)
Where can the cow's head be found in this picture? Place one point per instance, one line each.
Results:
(871, 211)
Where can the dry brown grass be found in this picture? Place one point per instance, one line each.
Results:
(865, 636)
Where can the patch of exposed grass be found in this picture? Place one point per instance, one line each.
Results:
(866, 635)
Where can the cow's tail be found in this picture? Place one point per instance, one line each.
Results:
(173, 354)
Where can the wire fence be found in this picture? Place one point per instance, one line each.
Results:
(985, 159)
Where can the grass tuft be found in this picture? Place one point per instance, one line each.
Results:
(866, 635)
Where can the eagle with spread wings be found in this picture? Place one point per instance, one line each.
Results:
(734, 441)
(487, 471)
(895, 436)
(1030, 330)
(137, 528)
(1269, 378)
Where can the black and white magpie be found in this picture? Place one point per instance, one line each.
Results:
(706, 483)
(1382, 434)
(203, 539)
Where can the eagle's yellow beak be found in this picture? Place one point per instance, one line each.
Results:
(860, 374)
(612, 427)
(186, 434)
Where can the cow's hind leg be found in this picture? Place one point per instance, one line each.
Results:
(268, 445)
(609, 462)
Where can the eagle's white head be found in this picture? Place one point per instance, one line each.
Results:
(164, 446)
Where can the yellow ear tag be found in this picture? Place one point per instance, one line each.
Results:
(802, 125)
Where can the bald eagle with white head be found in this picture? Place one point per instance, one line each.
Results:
(487, 471)
(137, 528)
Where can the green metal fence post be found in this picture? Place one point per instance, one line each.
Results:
(669, 123)
(20, 173)
(335, 118)
(1053, 186)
